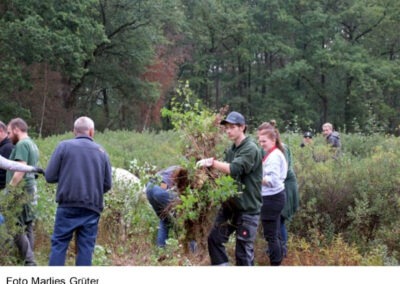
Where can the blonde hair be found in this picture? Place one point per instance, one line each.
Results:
(329, 125)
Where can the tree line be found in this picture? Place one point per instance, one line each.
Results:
(120, 61)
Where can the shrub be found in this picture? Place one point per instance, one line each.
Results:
(200, 130)
(337, 253)
(351, 203)
(355, 196)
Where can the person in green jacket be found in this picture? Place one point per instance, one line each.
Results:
(26, 152)
(7, 164)
(241, 213)
(292, 198)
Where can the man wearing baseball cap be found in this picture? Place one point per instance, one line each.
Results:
(307, 139)
(241, 213)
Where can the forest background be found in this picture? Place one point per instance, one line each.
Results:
(301, 63)
(119, 61)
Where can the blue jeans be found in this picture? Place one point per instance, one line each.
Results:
(84, 223)
(227, 222)
(159, 199)
(163, 232)
(270, 218)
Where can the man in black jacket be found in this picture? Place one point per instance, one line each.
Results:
(6, 147)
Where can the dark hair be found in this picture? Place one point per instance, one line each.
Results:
(272, 133)
(180, 178)
(18, 123)
(3, 126)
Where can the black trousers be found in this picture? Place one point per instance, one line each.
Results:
(270, 219)
(227, 222)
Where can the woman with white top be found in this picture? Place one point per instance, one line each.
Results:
(273, 191)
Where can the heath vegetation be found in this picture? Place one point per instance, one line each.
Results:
(349, 206)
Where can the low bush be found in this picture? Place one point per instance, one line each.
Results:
(349, 207)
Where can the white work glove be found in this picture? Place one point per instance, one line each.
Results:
(205, 162)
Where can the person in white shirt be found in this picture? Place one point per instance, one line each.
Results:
(273, 191)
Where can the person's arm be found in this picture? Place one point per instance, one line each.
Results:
(274, 170)
(18, 176)
(54, 164)
(271, 172)
(15, 166)
(212, 163)
(108, 176)
(336, 142)
(222, 166)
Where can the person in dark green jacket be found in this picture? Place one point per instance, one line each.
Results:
(25, 152)
(292, 198)
(240, 214)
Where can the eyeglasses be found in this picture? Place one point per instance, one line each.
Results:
(308, 137)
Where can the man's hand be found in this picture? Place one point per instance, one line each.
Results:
(205, 162)
(38, 170)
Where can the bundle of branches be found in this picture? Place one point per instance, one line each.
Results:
(200, 190)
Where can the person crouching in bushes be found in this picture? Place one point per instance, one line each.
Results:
(307, 139)
(161, 191)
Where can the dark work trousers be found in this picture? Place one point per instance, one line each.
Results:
(25, 243)
(270, 218)
(25, 239)
(227, 222)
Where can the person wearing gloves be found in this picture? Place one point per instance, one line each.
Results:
(241, 213)
(9, 165)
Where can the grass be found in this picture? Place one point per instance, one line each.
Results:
(128, 224)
